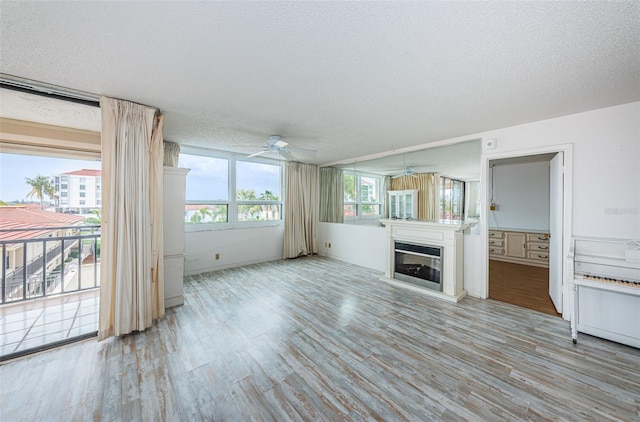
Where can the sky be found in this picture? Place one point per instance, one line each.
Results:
(207, 180)
(14, 168)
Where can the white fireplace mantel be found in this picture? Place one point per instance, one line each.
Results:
(447, 235)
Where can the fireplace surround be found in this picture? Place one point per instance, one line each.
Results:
(419, 252)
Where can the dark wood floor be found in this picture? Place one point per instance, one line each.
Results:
(317, 339)
(521, 285)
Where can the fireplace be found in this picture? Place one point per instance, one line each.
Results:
(418, 264)
(426, 257)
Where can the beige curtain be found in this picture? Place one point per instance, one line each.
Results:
(171, 154)
(301, 210)
(386, 187)
(131, 267)
(427, 186)
(331, 195)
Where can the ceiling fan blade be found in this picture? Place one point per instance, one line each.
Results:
(256, 154)
(286, 154)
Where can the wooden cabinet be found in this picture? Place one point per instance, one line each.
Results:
(403, 204)
(519, 247)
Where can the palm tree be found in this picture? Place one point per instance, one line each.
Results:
(245, 210)
(40, 186)
(196, 218)
(205, 212)
(97, 220)
(272, 210)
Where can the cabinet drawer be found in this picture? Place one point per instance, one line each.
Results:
(538, 256)
(538, 247)
(537, 237)
(496, 250)
(493, 234)
(496, 242)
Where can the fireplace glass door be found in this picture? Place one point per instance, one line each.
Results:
(418, 264)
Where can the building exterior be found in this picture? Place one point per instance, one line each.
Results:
(78, 191)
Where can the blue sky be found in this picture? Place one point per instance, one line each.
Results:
(207, 180)
(14, 168)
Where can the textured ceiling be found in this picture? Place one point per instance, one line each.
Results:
(348, 79)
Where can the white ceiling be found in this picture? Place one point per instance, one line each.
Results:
(348, 79)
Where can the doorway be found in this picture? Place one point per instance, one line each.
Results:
(526, 226)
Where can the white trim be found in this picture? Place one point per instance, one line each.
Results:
(567, 225)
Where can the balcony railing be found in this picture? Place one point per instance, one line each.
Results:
(45, 261)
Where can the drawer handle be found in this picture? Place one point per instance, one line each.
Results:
(543, 238)
(492, 234)
(543, 256)
(491, 242)
(492, 250)
(544, 248)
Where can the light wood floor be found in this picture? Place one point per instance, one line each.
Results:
(317, 339)
(521, 285)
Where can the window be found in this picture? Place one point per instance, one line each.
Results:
(83, 180)
(451, 199)
(63, 194)
(63, 186)
(362, 195)
(82, 194)
(224, 191)
(82, 202)
(82, 187)
(258, 191)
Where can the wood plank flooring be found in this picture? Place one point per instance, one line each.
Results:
(521, 285)
(318, 339)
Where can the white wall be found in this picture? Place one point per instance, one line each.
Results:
(472, 262)
(361, 245)
(606, 165)
(606, 175)
(236, 247)
(521, 193)
(606, 197)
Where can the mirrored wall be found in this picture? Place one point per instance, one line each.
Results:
(447, 178)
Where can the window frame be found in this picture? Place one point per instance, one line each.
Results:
(442, 203)
(358, 203)
(232, 202)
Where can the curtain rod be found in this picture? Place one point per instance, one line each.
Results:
(52, 91)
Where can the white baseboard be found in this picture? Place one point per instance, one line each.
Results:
(211, 268)
(170, 302)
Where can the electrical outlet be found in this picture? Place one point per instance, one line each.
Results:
(217, 256)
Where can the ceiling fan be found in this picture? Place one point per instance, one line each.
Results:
(408, 171)
(275, 144)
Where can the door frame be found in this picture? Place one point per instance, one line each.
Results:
(567, 205)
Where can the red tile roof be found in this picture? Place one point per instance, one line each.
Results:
(20, 217)
(84, 172)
